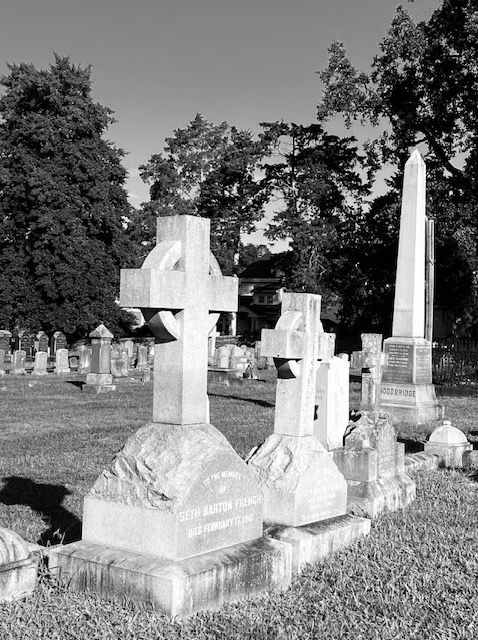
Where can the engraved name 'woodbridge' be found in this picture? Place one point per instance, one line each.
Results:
(390, 391)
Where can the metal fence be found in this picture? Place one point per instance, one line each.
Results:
(455, 361)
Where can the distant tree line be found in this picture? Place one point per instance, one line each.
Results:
(66, 227)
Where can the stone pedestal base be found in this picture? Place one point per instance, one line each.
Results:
(316, 541)
(407, 393)
(177, 588)
(181, 588)
(299, 480)
(410, 403)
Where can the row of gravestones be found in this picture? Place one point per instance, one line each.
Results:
(121, 357)
(40, 364)
(32, 343)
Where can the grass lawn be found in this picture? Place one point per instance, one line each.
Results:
(415, 576)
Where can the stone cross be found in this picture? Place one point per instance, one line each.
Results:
(295, 346)
(180, 290)
(409, 305)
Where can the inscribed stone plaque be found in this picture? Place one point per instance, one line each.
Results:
(398, 393)
(25, 342)
(59, 341)
(423, 364)
(42, 341)
(386, 445)
(176, 493)
(399, 359)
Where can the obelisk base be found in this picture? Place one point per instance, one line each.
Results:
(410, 403)
(407, 393)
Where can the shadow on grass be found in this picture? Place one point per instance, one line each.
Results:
(45, 499)
(260, 403)
(76, 383)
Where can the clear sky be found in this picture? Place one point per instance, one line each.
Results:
(157, 63)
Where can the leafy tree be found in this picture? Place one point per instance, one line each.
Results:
(212, 171)
(317, 180)
(63, 205)
(422, 91)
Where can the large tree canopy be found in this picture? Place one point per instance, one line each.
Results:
(316, 178)
(62, 203)
(422, 90)
(212, 171)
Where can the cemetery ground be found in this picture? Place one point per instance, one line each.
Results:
(414, 576)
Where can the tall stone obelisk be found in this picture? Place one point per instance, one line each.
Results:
(407, 393)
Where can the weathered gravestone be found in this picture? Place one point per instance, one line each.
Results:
(177, 489)
(129, 348)
(99, 379)
(40, 365)
(223, 357)
(229, 365)
(58, 341)
(301, 483)
(24, 342)
(84, 359)
(142, 357)
(407, 392)
(5, 340)
(372, 462)
(2, 362)
(19, 358)
(261, 361)
(42, 341)
(18, 566)
(356, 362)
(331, 395)
(371, 371)
(120, 365)
(62, 364)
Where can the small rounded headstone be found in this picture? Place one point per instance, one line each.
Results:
(447, 434)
